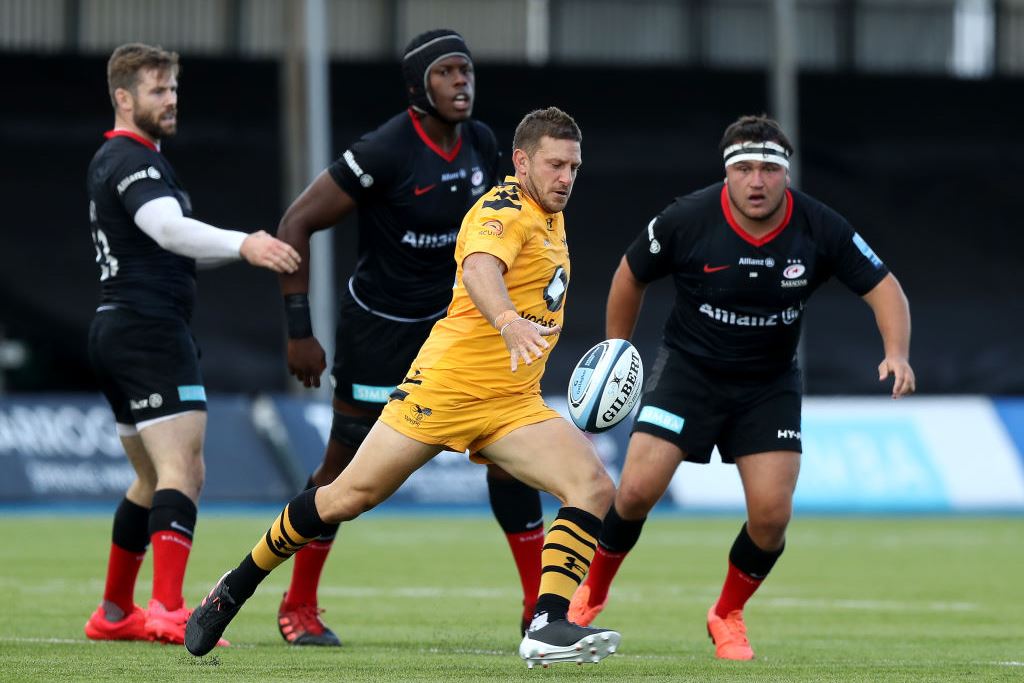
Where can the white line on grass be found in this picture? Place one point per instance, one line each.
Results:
(86, 641)
(696, 594)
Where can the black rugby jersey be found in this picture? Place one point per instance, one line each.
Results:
(411, 199)
(739, 299)
(135, 272)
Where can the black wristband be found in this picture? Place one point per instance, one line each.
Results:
(296, 309)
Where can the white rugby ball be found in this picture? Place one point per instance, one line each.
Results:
(605, 385)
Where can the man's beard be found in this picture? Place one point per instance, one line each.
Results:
(149, 123)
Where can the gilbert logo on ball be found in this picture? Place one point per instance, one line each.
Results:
(605, 385)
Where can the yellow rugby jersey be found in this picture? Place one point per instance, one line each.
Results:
(463, 350)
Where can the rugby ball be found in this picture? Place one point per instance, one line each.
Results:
(605, 385)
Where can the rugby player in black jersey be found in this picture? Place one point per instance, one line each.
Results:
(745, 256)
(147, 248)
(410, 182)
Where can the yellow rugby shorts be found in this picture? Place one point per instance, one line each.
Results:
(435, 414)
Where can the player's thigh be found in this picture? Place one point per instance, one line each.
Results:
(554, 456)
(138, 456)
(651, 462)
(175, 445)
(383, 462)
(769, 481)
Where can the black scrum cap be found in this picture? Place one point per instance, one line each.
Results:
(420, 55)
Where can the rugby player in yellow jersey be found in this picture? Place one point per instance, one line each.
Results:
(475, 386)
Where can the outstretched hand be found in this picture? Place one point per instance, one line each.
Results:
(904, 382)
(525, 340)
(306, 360)
(266, 251)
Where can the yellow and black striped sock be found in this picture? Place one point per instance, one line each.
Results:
(568, 549)
(298, 524)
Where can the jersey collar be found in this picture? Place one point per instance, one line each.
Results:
(447, 156)
(121, 133)
(746, 236)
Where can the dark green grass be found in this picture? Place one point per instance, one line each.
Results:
(436, 598)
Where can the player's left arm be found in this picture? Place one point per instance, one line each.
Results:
(892, 314)
(482, 277)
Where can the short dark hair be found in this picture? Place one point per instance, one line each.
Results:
(754, 129)
(552, 122)
(128, 60)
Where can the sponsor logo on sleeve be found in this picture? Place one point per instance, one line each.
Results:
(152, 173)
(493, 227)
(365, 179)
(868, 252)
(655, 244)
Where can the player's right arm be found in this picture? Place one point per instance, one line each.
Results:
(163, 220)
(321, 205)
(647, 259)
(482, 276)
(625, 298)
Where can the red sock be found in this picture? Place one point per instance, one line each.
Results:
(736, 591)
(603, 568)
(309, 564)
(170, 555)
(122, 570)
(526, 549)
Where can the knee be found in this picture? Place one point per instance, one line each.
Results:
(603, 489)
(339, 504)
(634, 499)
(767, 527)
(600, 491)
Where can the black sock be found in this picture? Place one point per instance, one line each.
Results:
(331, 530)
(751, 560)
(172, 511)
(298, 524)
(516, 506)
(619, 535)
(131, 527)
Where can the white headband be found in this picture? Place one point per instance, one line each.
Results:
(770, 152)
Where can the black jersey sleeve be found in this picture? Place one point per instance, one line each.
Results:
(652, 255)
(136, 180)
(850, 258)
(368, 167)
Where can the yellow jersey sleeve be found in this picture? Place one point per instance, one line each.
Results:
(493, 226)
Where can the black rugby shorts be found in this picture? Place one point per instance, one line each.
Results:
(696, 409)
(372, 353)
(147, 367)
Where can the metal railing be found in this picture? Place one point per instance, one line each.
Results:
(965, 37)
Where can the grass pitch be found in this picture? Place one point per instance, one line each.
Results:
(432, 598)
